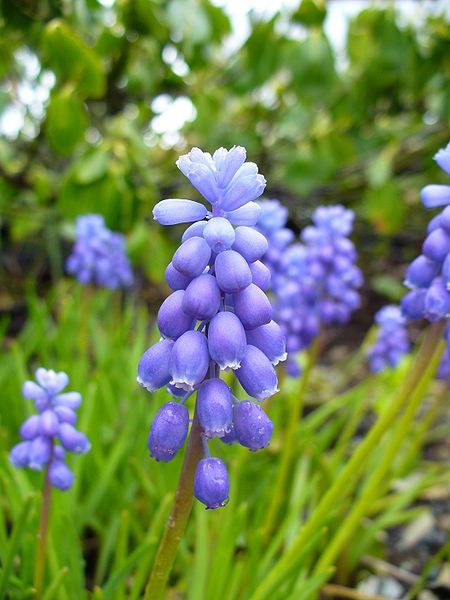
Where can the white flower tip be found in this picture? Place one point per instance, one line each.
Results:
(279, 359)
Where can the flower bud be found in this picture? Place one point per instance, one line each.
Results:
(192, 257)
(59, 475)
(189, 360)
(50, 380)
(214, 407)
(437, 244)
(252, 426)
(437, 301)
(175, 280)
(73, 440)
(252, 307)
(228, 163)
(421, 272)
(444, 218)
(257, 375)
(202, 297)
(211, 482)
(435, 223)
(435, 195)
(33, 391)
(219, 234)
(442, 157)
(168, 431)
(39, 452)
(172, 320)
(269, 339)
(446, 272)
(194, 230)
(153, 368)
(245, 215)
(68, 399)
(232, 271)
(20, 454)
(49, 424)
(413, 304)
(30, 428)
(65, 414)
(260, 275)
(226, 340)
(245, 187)
(172, 212)
(250, 243)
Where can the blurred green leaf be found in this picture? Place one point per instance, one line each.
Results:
(310, 12)
(66, 121)
(91, 166)
(384, 207)
(72, 60)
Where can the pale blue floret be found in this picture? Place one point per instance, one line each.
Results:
(54, 423)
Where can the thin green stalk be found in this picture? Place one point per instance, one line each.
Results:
(295, 412)
(377, 477)
(42, 537)
(424, 427)
(176, 523)
(287, 562)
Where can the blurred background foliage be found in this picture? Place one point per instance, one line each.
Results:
(99, 97)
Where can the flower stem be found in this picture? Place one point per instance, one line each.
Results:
(287, 562)
(295, 414)
(176, 523)
(42, 536)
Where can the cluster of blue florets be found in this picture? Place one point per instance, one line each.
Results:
(428, 276)
(217, 318)
(317, 280)
(392, 341)
(54, 423)
(99, 255)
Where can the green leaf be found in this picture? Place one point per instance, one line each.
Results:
(310, 13)
(384, 207)
(66, 122)
(72, 60)
(91, 166)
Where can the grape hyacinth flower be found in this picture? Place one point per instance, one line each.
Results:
(428, 276)
(50, 433)
(218, 317)
(392, 341)
(317, 281)
(99, 255)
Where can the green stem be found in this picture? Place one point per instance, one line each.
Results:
(295, 412)
(176, 523)
(341, 485)
(378, 476)
(42, 537)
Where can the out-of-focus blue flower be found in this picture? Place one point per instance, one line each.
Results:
(392, 341)
(217, 310)
(99, 255)
(316, 281)
(54, 423)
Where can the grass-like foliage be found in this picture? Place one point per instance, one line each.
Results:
(280, 537)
